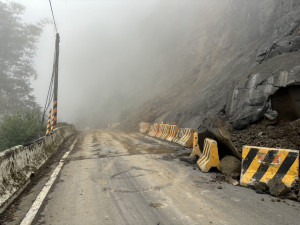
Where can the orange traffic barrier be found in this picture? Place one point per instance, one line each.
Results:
(179, 135)
(182, 136)
(173, 133)
(160, 130)
(166, 131)
(156, 125)
(210, 156)
(152, 130)
(196, 149)
(187, 139)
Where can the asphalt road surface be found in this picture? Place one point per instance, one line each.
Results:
(111, 177)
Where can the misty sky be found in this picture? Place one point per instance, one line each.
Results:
(112, 53)
(95, 41)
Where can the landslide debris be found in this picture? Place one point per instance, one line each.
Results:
(282, 135)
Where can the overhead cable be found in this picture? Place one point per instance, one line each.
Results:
(53, 16)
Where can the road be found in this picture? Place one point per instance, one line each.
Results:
(111, 177)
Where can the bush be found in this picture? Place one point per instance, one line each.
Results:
(18, 128)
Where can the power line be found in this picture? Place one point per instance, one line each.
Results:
(53, 15)
(50, 95)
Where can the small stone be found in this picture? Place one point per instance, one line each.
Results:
(260, 187)
(263, 199)
(189, 159)
(278, 200)
(258, 191)
(292, 195)
(232, 181)
(278, 188)
(219, 187)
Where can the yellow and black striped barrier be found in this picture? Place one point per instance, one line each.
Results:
(210, 156)
(48, 123)
(261, 164)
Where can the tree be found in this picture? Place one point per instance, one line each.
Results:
(17, 50)
(19, 128)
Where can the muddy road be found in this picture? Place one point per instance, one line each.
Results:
(112, 177)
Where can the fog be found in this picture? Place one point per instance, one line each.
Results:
(114, 55)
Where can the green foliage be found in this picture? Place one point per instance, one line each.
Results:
(17, 50)
(18, 128)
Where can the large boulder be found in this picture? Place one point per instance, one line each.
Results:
(215, 127)
(231, 166)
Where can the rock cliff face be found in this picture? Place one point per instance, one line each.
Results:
(230, 63)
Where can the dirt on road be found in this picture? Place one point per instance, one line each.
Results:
(112, 177)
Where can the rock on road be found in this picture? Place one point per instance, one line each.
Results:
(119, 178)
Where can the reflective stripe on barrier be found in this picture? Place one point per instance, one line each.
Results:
(173, 132)
(163, 130)
(179, 135)
(187, 139)
(156, 125)
(210, 156)
(261, 164)
(160, 130)
(166, 131)
(196, 148)
(183, 136)
(152, 130)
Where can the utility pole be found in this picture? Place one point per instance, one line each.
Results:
(55, 70)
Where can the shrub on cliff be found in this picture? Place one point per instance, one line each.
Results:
(18, 128)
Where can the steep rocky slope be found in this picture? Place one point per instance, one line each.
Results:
(234, 57)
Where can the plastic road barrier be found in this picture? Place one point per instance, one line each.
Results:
(173, 132)
(210, 156)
